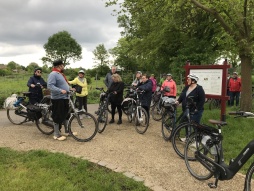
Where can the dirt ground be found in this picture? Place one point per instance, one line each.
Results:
(147, 156)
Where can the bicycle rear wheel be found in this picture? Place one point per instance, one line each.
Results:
(214, 104)
(249, 178)
(141, 121)
(17, 116)
(102, 119)
(196, 168)
(45, 124)
(85, 128)
(180, 136)
(157, 111)
(168, 122)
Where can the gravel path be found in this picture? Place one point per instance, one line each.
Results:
(147, 156)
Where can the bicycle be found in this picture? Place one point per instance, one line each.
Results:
(135, 112)
(204, 154)
(215, 104)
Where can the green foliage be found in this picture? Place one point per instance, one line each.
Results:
(62, 46)
(42, 170)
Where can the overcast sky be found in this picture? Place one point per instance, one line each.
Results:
(26, 25)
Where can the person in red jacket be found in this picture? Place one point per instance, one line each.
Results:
(235, 85)
(172, 86)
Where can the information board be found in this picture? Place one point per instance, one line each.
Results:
(210, 80)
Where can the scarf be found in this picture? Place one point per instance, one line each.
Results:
(56, 70)
(81, 79)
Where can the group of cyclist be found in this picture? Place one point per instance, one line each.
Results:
(59, 87)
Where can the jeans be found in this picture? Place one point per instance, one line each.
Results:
(197, 116)
(234, 96)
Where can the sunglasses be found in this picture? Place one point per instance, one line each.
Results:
(39, 72)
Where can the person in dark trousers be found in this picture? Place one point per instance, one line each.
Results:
(146, 97)
(108, 79)
(116, 97)
(228, 92)
(197, 94)
(235, 85)
(36, 83)
(58, 85)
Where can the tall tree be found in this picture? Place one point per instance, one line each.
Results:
(101, 56)
(62, 46)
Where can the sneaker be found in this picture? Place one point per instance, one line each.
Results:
(119, 122)
(112, 121)
(61, 138)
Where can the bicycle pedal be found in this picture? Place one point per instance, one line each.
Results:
(212, 185)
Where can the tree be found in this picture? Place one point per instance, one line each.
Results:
(101, 56)
(62, 46)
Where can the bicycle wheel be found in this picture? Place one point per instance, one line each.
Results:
(180, 136)
(157, 111)
(85, 128)
(102, 119)
(249, 178)
(168, 122)
(214, 104)
(141, 121)
(17, 116)
(45, 124)
(197, 169)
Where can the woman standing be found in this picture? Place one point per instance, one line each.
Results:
(81, 97)
(116, 97)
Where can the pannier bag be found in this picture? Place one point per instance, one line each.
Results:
(168, 102)
(9, 102)
(33, 112)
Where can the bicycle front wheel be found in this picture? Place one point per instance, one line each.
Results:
(83, 128)
(196, 168)
(168, 122)
(249, 178)
(157, 112)
(180, 136)
(45, 124)
(17, 116)
(141, 120)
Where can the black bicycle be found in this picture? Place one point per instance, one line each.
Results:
(204, 154)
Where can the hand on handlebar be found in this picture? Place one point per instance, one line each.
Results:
(63, 91)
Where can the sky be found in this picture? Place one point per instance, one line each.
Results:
(26, 25)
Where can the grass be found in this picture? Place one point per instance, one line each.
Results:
(42, 170)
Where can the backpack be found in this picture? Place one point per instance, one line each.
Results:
(9, 102)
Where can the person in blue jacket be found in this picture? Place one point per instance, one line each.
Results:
(36, 83)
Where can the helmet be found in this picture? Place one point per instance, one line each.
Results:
(81, 71)
(193, 77)
(169, 74)
(139, 72)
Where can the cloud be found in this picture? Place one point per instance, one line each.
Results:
(26, 25)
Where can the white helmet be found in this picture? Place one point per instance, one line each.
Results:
(193, 77)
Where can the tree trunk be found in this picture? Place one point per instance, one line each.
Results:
(246, 92)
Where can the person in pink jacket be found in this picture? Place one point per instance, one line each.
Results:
(171, 84)
(234, 85)
(152, 78)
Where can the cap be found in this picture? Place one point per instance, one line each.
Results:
(81, 71)
(169, 74)
(57, 62)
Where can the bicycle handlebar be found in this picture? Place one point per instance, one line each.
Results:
(241, 114)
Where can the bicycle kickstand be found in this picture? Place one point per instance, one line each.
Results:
(213, 185)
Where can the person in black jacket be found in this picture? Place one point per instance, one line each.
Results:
(197, 94)
(146, 97)
(36, 83)
(116, 97)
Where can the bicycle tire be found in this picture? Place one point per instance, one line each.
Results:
(102, 119)
(197, 169)
(179, 137)
(157, 112)
(45, 124)
(167, 124)
(141, 126)
(214, 104)
(17, 116)
(85, 131)
(249, 178)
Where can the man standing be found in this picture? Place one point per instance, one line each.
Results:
(58, 85)
(235, 85)
(108, 79)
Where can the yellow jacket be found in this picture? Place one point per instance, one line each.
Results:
(83, 85)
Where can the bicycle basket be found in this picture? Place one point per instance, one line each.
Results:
(168, 102)
(156, 96)
(33, 112)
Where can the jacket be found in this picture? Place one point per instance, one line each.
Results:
(198, 97)
(146, 97)
(116, 98)
(76, 81)
(108, 79)
(172, 85)
(154, 84)
(36, 92)
(235, 84)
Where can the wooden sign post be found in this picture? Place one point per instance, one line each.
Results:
(213, 79)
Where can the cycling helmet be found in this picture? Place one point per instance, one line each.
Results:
(81, 71)
(139, 72)
(169, 74)
(193, 77)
